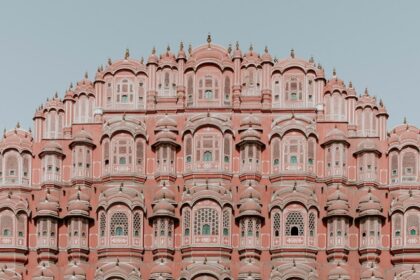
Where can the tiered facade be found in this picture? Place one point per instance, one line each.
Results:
(211, 163)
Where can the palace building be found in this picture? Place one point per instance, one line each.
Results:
(210, 163)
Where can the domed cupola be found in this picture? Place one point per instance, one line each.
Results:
(251, 57)
(44, 272)
(337, 204)
(161, 271)
(48, 207)
(335, 135)
(84, 86)
(237, 53)
(52, 156)
(338, 273)
(17, 139)
(250, 203)
(266, 56)
(181, 52)
(164, 203)
(74, 272)
(79, 204)
(249, 270)
(82, 138)
(369, 205)
(167, 59)
(153, 58)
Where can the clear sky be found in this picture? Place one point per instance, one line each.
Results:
(45, 45)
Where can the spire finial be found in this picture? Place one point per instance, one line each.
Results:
(334, 73)
(251, 47)
(311, 59)
(366, 92)
(350, 84)
(405, 120)
(86, 75)
(266, 49)
(127, 53)
(154, 50)
(381, 103)
(109, 61)
(237, 45)
(168, 48)
(141, 60)
(17, 125)
(209, 39)
(181, 46)
(229, 48)
(189, 49)
(292, 53)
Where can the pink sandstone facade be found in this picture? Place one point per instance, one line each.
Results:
(211, 163)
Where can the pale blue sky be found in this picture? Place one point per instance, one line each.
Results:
(45, 45)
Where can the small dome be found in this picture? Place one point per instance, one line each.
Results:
(369, 205)
(79, 204)
(166, 121)
(164, 193)
(250, 134)
(165, 136)
(52, 147)
(250, 192)
(48, 206)
(250, 121)
(161, 268)
(338, 272)
(82, 137)
(249, 207)
(163, 206)
(266, 57)
(249, 268)
(74, 270)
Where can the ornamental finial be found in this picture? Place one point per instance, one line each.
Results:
(266, 49)
(334, 73)
(109, 61)
(189, 49)
(292, 53)
(350, 84)
(86, 75)
(168, 48)
(405, 120)
(229, 48)
(154, 50)
(251, 47)
(237, 45)
(366, 92)
(127, 53)
(17, 125)
(181, 46)
(209, 39)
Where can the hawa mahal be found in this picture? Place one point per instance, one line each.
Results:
(210, 163)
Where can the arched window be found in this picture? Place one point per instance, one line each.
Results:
(409, 167)
(294, 224)
(190, 90)
(293, 160)
(136, 225)
(207, 156)
(226, 222)
(227, 91)
(206, 221)
(6, 223)
(250, 228)
(102, 224)
(187, 221)
(276, 151)
(188, 149)
(311, 224)
(119, 224)
(276, 224)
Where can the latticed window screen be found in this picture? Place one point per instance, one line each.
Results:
(276, 224)
(170, 226)
(136, 224)
(187, 221)
(139, 152)
(250, 228)
(102, 224)
(243, 227)
(119, 224)
(21, 225)
(206, 221)
(162, 227)
(413, 224)
(257, 227)
(226, 222)
(397, 225)
(409, 163)
(311, 223)
(294, 220)
(6, 224)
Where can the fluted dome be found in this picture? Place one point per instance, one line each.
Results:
(48, 206)
(367, 146)
(250, 206)
(166, 122)
(369, 205)
(338, 273)
(82, 137)
(164, 193)
(337, 204)
(79, 204)
(250, 192)
(250, 121)
(163, 208)
(18, 139)
(52, 147)
(43, 271)
(335, 135)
